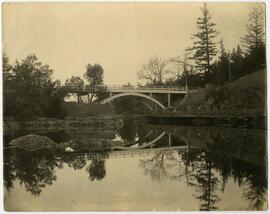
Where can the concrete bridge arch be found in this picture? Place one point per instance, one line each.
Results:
(116, 96)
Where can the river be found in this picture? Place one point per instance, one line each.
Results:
(141, 167)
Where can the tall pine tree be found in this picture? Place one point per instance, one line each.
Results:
(254, 40)
(204, 46)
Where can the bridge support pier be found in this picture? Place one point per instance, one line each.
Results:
(170, 139)
(169, 100)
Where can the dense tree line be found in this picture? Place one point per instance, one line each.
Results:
(30, 91)
(248, 59)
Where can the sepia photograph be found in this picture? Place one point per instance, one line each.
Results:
(134, 106)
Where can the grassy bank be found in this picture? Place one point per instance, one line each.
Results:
(245, 96)
(74, 109)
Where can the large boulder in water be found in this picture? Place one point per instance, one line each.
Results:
(33, 142)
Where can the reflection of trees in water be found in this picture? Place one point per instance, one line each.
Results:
(209, 173)
(35, 170)
(205, 181)
(243, 144)
(9, 168)
(74, 160)
(233, 153)
(255, 193)
(195, 167)
(212, 171)
(97, 167)
(163, 165)
(96, 170)
(254, 177)
(215, 169)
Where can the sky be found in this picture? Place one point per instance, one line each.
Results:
(121, 37)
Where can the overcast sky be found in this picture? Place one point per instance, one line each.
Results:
(118, 36)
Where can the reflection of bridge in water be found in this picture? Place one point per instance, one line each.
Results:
(145, 145)
(114, 154)
(144, 149)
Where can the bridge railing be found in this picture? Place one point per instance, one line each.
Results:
(104, 88)
(119, 87)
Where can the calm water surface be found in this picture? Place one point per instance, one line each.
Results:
(139, 167)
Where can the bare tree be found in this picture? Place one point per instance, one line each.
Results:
(154, 71)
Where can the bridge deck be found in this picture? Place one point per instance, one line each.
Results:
(120, 89)
(148, 91)
(131, 89)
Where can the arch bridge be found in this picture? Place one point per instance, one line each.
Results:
(147, 93)
(113, 92)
